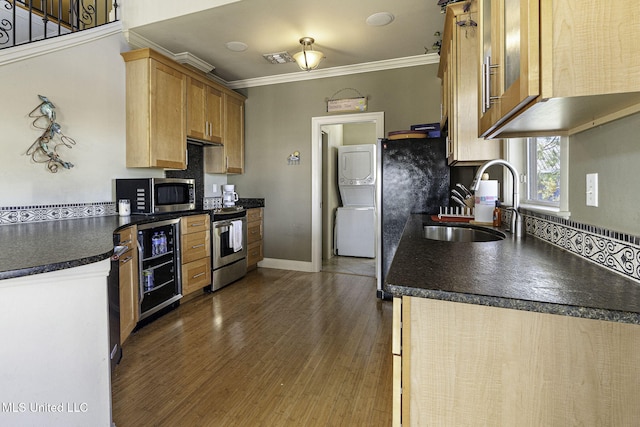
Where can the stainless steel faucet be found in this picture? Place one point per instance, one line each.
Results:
(516, 218)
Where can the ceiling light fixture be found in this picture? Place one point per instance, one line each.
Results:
(308, 59)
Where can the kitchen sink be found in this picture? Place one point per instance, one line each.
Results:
(460, 233)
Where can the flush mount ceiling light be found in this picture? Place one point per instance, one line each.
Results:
(380, 19)
(308, 59)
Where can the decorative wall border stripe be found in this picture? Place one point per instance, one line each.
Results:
(26, 214)
(618, 252)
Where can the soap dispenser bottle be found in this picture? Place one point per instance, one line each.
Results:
(497, 215)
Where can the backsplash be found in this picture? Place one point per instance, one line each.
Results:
(618, 252)
(23, 214)
(612, 250)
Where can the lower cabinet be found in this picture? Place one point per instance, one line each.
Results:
(254, 237)
(465, 364)
(196, 252)
(128, 276)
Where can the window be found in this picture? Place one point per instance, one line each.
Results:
(544, 160)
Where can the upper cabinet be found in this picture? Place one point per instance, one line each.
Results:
(204, 111)
(234, 133)
(168, 102)
(156, 111)
(458, 71)
(556, 66)
(228, 158)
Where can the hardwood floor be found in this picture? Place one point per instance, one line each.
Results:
(277, 348)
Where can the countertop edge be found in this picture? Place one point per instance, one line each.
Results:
(99, 253)
(46, 268)
(516, 304)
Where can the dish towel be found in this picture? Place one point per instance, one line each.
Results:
(236, 235)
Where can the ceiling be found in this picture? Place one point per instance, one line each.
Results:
(270, 26)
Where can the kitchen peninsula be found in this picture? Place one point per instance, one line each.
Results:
(510, 332)
(54, 316)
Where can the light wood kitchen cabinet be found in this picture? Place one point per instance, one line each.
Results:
(459, 70)
(228, 158)
(128, 287)
(196, 252)
(552, 66)
(204, 111)
(233, 139)
(156, 92)
(466, 364)
(254, 237)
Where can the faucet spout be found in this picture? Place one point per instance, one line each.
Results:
(516, 218)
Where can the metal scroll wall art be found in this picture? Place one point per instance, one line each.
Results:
(45, 148)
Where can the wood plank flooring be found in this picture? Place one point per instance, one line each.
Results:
(277, 348)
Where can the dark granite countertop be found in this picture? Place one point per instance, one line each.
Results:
(40, 247)
(525, 274)
(250, 203)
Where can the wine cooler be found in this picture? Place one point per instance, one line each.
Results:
(159, 265)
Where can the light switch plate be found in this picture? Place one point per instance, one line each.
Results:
(592, 189)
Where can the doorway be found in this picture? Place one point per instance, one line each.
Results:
(327, 134)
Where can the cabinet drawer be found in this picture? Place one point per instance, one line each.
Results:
(254, 232)
(196, 275)
(254, 214)
(254, 253)
(128, 237)
(194, 223)
(195, 246)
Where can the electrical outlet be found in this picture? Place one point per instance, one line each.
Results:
(592, 189)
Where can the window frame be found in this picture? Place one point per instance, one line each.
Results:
(562, 207)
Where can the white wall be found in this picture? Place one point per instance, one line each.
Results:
(612, 151)
(86, 83)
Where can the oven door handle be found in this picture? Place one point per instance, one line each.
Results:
(221, 224)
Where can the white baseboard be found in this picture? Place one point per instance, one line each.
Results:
(285, 264)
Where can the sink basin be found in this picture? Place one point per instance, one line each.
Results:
(457, 233)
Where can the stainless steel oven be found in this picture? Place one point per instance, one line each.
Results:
(228, 246)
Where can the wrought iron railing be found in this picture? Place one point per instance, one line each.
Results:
(26, 21)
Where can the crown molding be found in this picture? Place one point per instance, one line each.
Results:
(136, 41)
(410, 61)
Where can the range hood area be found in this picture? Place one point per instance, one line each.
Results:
(201, 143)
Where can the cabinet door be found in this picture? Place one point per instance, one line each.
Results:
(510, 72)
(254, 236)
(214, 109)
(128, 276)
(234, 134)
(196, 113)
(460, 75)
(168, 142)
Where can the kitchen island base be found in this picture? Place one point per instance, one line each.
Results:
(55, 367)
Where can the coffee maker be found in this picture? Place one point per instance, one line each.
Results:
(229, 195)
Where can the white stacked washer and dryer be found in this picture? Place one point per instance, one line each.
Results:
(355, 226)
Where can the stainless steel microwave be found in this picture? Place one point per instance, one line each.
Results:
(157, 195)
